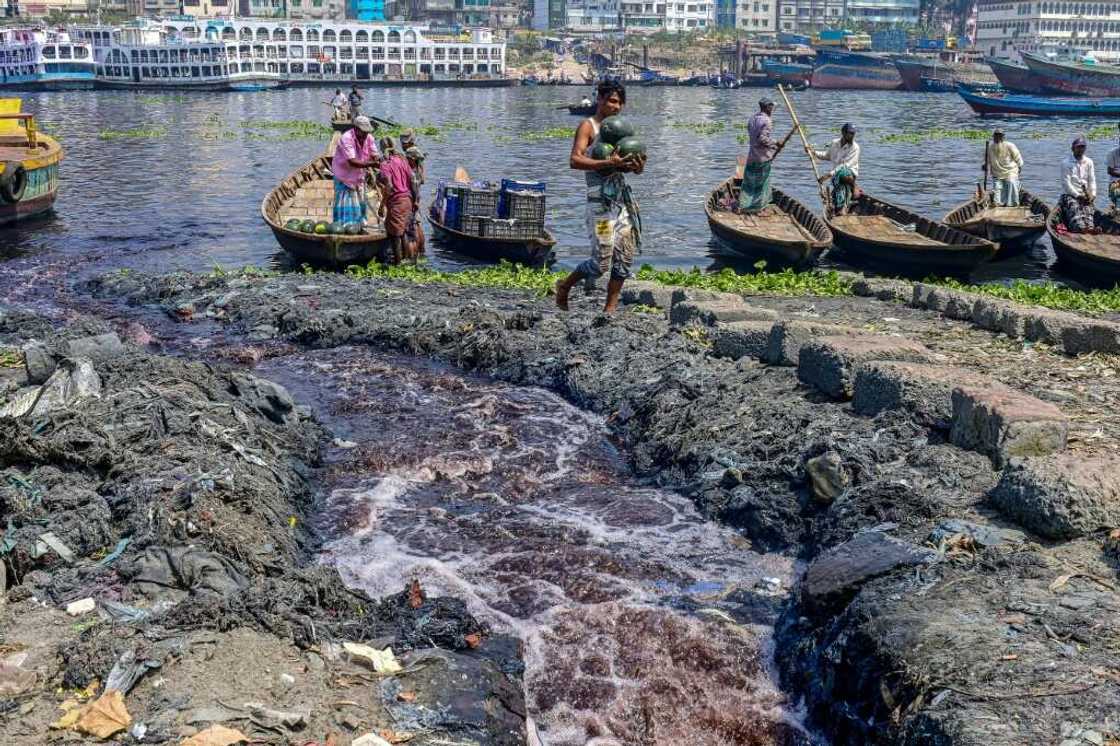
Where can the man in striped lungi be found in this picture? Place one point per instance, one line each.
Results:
(356, 151)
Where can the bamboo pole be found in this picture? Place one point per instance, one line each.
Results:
(808, 149)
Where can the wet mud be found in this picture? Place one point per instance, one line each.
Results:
(925, 614)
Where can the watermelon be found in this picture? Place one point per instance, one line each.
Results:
(307, 226)
(602, 151)
(353, 229)
(321, 228)
(293, 224)
(335, 229)
(614, 129)
(630, 146)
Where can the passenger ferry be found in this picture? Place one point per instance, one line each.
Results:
(37, 59)
(183, 52)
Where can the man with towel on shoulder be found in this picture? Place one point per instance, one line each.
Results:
(754, 191)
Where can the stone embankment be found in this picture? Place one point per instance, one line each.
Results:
(950, 488)
(161, 584)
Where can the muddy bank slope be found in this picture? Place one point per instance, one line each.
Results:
(155, 546)
(955, 595)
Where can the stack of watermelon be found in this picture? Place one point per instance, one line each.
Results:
(323, 228)
(616, 135)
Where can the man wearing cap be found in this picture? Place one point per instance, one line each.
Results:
(355, 101)
(1079, 189)
(355, 152)
(414, 236)
(754, 191)
(844, 152)
(398, 199)
(408, 142)
(1114, 173)
(1003, 161)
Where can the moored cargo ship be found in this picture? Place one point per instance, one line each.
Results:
(1015, 78)
(1074, 78)
(839, 69)
(913, 68)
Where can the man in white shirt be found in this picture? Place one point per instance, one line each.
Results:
(339, 103)
(1003, 161)
(1114, 173)
(844, 152)
(1079, 189)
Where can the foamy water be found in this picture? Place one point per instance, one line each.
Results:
(642, 622)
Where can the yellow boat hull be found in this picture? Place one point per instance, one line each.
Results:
(29, 163)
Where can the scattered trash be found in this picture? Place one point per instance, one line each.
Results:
(172, 570)
(370, 739)
(138, 731)
(48, 541)
(381, 661)
(347, 444)
(128, 670)
(101, 718)
(75, 381)
(116, 553)
(828, 477)
(270, 718)
(118, 612)
(415, 594)
(84, 606)
(13, 679)
(216, 735)
(214, 714)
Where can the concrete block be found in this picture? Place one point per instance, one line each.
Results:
(1060, 496)
(647, 294)
(1084, 335)
(883, 289)
(959, 305)
(38, 362)
(830, 363)
(926, 391)
(740, 339)
(788, 337)
(920, 296)
(696, 294)
(997, 315)
(710, 312)
(1005, 424)
(1043, 325)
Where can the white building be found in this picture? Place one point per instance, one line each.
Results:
(805, 16)
(686, 16)
(592, 15)
(757, 15)
(1006, 27)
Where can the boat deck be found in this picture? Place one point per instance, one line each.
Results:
(314, 200)
(882, 229)
(1104, 245)
(770, 223)
(15, 149)
(1008, 215)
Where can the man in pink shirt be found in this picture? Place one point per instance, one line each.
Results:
(399, 197)
(356, 151)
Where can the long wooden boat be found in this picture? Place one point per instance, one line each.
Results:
(1073, 78)
(29, 162)
(1094, 257)
(986, 104)
(1015, 78)
(308, 194)
(1012, 229)
(879, 234)
(786, 233)
(532, 252)
(581, 110)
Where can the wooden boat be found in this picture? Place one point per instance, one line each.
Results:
(532, 252)
(786, 233)
(1022, 103)
(877, 233)
(1012, 229)
(308, 194)
(29, 162)
(1015, 78)
(581, 110)
(1094, 257)
(1073, 78)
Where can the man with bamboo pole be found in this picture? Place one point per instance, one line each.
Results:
(844, 152)
(754, 190)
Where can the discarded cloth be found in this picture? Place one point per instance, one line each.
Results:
(162, 571)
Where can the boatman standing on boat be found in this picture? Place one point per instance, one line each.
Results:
(356, 151)
(613, 222)
(1114, 174)
(754, 191)
(1079, 189)
(338, 102)
(1003, 161)
(844, 152)
(355, 101)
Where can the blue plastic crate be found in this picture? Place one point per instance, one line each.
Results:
(513, 185)
(452, 211)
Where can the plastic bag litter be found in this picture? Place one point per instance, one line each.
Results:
(381, 661)
(75, 381)
(128, 670)
(13, 679)
(216, 735)
(270, 718)
(171, 570)
(369, 739)
(118, 612)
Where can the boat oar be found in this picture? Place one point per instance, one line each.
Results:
(805, 142)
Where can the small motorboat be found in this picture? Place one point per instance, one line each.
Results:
(876, 233)
(1089, 256)
(29, 162)
(785, 232)
(308, 194)
(1012, 229)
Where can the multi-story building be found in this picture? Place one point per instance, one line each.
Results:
(592, 15)
(756, 16)
(691, 14)
(643, 17)
(805, 16)
(44, 8)
(316, 10)
(365, 10)
(1006, 27)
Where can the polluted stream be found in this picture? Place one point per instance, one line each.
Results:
(642, 623)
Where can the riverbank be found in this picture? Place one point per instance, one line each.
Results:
(960, 586)
(161, 577)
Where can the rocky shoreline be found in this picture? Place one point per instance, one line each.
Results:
(949, 487)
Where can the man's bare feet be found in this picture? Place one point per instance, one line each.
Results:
(562, 290)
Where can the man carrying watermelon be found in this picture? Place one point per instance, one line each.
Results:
(605, 150)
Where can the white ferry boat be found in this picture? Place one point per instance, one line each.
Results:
(184, 52)
(43, 60)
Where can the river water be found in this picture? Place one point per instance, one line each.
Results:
(185, 193)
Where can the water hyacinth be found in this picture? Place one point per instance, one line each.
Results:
(136, 133)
